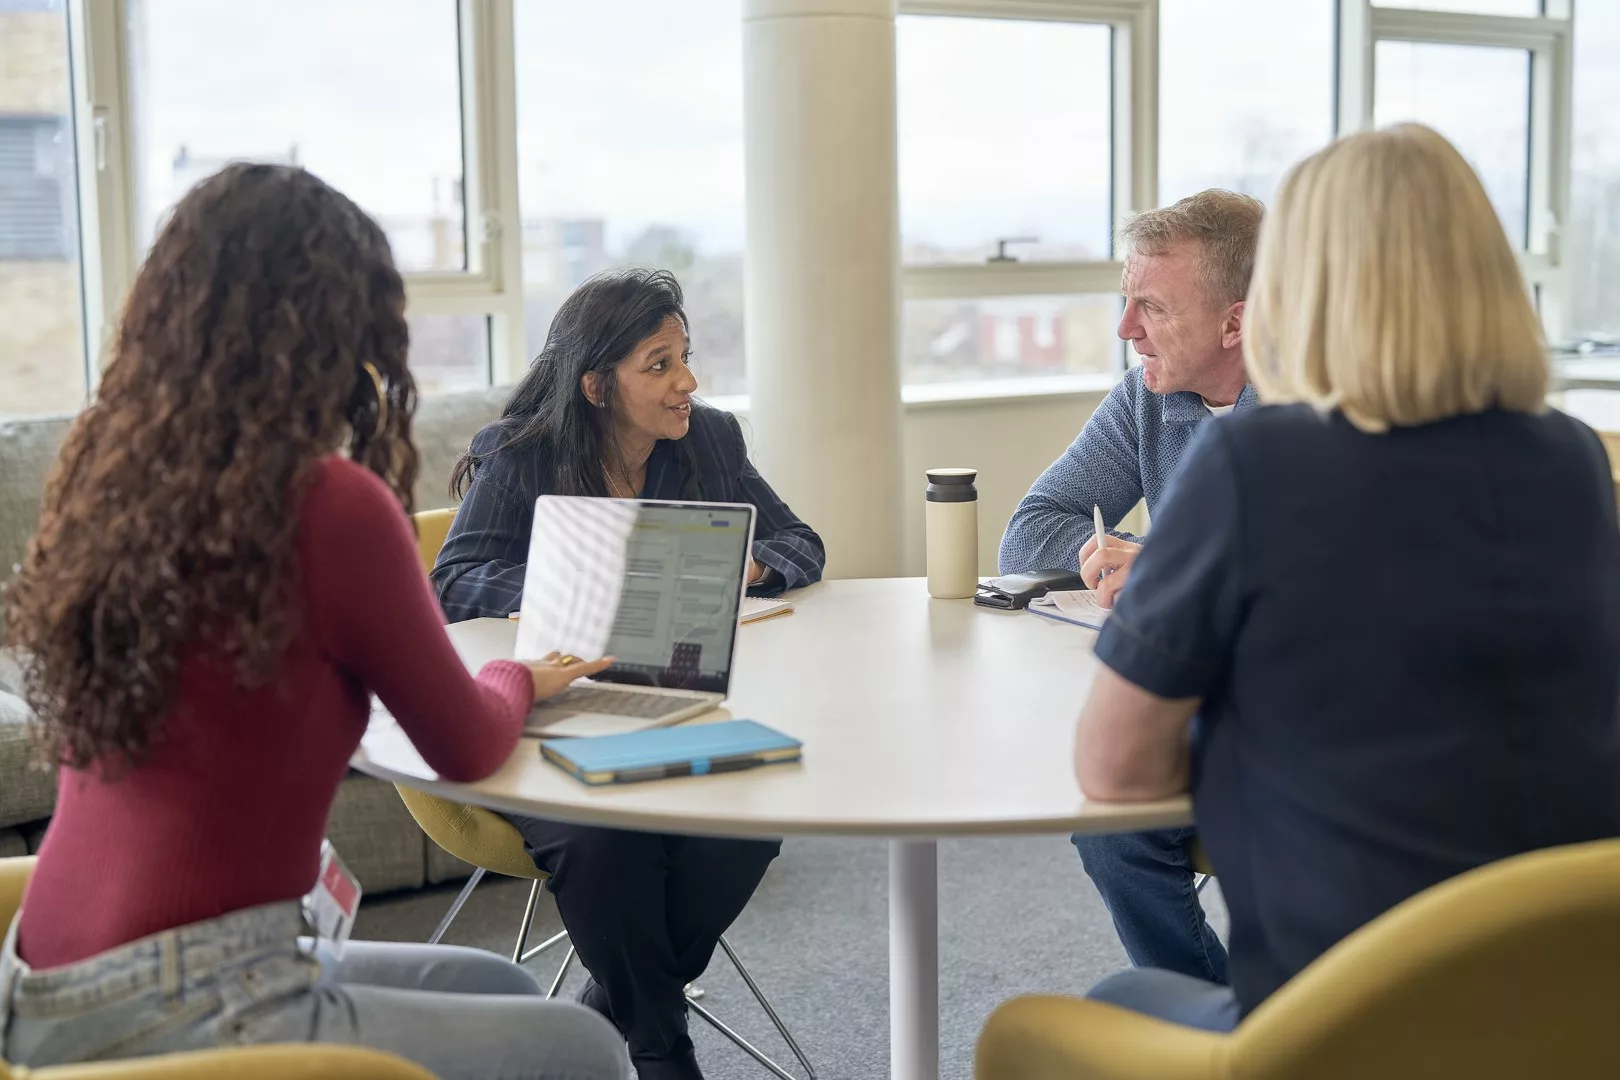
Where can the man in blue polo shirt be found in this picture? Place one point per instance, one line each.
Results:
(1187, 271)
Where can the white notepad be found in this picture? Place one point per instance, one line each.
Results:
(1079, 607)
(755, 608)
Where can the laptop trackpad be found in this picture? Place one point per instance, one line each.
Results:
(574, 725)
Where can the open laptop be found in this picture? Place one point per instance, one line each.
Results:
(657, 585)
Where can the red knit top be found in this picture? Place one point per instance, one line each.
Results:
(228, 810)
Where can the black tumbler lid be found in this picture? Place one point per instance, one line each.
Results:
(952, 485)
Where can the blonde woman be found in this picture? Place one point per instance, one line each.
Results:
(1376, 627)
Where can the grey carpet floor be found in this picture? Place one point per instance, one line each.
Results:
(1016, 916)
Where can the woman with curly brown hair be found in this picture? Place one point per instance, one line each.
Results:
(224, 572)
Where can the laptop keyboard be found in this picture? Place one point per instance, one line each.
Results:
(592, 699)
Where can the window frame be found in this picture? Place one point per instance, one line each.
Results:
(491, 285)
(1134, 152)
(1547, 38)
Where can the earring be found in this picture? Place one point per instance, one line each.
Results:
(382, 397)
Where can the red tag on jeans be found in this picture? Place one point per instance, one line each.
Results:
(332, 904)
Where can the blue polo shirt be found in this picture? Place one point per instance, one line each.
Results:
(1408, 650)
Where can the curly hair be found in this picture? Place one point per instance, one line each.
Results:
(265, 331)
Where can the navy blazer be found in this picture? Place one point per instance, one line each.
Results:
(479, 572)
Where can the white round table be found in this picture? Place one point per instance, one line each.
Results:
(920, 718)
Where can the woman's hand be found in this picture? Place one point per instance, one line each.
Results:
(553, 674)
(756, 572)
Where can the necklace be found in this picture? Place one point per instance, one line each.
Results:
(619, 485)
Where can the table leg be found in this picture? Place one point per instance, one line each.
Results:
(913, 960)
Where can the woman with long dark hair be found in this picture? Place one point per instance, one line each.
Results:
(607, 410)
(223, 573)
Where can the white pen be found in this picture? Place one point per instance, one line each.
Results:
(1102, 537)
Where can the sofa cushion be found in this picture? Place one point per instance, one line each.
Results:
(444, 425)
(376, 836)
(28, 450)
(443, 428)
(27, 789)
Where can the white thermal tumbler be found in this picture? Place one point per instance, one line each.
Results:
(951, 532)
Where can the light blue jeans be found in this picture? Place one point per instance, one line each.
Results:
(248, 978)
(1170, 995)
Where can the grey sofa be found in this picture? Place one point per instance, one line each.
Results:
(368, 824)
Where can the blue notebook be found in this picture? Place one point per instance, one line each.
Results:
(695, 750)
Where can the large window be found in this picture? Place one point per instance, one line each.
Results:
(1004, 139)
(1592, 238)
(1493, 77)
(1019, 150)
(366, 94)
(1471, 7)
(42, 366)
(1479, 98)
(630, 153)
(512, 148)
(1226, 121)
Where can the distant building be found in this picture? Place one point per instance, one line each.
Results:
(41, 330)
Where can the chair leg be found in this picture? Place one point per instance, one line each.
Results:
(455, 907)
(1202, 881)
(555, 939)
(744, 1044)
(562, 973)
(528, 921)
(764, 1003)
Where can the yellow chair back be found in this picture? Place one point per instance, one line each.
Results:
(313, 1061)
(432, 526)
(470, 833)
(1510, 971)
(13, 880)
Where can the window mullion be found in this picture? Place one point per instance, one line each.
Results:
(491, 126)
(103, 133)
(1353, 89)
(974, 281)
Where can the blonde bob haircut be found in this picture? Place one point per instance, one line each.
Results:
(1384, 288)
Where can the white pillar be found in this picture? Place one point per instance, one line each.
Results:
(823, 285)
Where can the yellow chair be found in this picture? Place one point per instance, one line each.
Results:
(1509, 971)
(490, 843)
(432, 526)
(272, 1062)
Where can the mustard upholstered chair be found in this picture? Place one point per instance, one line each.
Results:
(490, 843)
(312, 1061)
(1509, 971)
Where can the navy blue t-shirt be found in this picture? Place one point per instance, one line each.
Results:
(1408, 651)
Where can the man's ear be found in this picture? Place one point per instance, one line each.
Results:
(590, 384)
(1232, 326)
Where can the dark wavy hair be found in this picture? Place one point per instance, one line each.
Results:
(171, 520)
(599, 325)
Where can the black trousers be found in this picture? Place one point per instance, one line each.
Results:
(645, 912)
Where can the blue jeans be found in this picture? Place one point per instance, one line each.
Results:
(247, 978)
(1147, 882)
(1170, 996)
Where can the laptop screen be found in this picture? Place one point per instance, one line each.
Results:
(657, 585)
